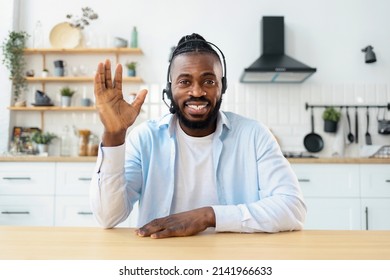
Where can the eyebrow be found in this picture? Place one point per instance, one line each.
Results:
(186, 75)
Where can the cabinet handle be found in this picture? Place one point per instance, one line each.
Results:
(84, 213)
(387, 181)
(304, 180)
(366, 211)
(15, 212)
(85, 178)
(16, 178)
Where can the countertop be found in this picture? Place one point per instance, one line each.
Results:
(291, 160)
(80, 243)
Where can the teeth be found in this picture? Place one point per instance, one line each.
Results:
(197, 107)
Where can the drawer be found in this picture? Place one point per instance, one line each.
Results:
(74, 178)
(27, 178)
(328, 180)
(26, 210)
(375, 180)
(76, 211)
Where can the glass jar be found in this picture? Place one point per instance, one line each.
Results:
(93, 145)
(83, 141)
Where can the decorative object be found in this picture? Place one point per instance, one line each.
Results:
(66, 96)
(14, 60)
(30, 73)
(331, 118)
(120, 42)
(134, 38)
(21, 139)
(64, 36)
(41, 99)
(131, 68)
(59, 68)
(370, 55)
(43, 139)
(81, 21)
(83, 141)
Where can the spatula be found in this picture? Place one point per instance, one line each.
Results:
(368, 135)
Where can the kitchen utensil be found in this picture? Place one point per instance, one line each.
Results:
(312, 141)
(356, 126)
(350, 136)
(368, 135)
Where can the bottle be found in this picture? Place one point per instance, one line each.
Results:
(66, 142)
(38, 35)
(134, 38)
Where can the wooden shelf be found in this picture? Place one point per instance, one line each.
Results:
(75, 79)
(43, 51)
(52, 108)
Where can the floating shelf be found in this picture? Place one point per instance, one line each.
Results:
(75, 79)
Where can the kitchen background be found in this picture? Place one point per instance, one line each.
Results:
(327, 35)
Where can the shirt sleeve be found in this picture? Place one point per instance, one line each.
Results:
(280, 206)
(108, 187)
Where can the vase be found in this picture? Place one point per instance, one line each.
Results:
(130, 72)
(43, 148)
(66, 101)
(330, 126)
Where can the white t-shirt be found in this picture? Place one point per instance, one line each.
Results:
(195, 185)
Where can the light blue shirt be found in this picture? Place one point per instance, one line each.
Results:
(257, 189)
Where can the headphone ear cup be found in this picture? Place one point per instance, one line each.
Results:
(224, 85)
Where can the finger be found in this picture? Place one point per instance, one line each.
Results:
(118, 77)
(139, 99)
(107, 72)
(99, 79)
(150, 228)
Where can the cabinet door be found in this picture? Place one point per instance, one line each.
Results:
(20, 178)
(375, 213)
(328, 180)
(26, 210)
(375, 180)
(333, 214)
(74, 178)
(76, 211)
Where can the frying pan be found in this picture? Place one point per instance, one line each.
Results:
(312, 141)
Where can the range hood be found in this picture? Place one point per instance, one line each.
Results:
(274, 66)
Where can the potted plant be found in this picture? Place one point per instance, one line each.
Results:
(14, 60)
(331, 118)
(131, 68)
(43, 139)
(45, 73)
(66, 96)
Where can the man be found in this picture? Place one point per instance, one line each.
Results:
(195, 168)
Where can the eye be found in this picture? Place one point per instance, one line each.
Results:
(209, 82)
(184, 82)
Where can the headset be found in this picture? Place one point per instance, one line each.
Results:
(168, 90)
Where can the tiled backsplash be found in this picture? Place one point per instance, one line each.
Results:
(279, 106)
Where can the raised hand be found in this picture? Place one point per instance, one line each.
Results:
(114, 112)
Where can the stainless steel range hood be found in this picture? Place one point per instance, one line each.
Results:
(274, 66)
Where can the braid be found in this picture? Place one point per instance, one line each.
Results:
(193, 43)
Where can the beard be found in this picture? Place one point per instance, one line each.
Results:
(201, 124)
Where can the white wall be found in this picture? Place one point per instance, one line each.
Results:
(328, 35)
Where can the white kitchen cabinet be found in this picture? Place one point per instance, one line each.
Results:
(27, 193)
(332, 195)
(24, 210)
(72, 206)
(375, 191)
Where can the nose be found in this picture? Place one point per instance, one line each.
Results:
(197, 90)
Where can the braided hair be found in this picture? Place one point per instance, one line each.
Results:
(192, 43)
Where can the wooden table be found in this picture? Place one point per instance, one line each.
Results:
(61, 243)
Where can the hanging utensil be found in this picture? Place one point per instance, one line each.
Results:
(350, 136)
(312, 141)
(368, 135)
(356, 125)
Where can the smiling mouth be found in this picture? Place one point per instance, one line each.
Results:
(197, 108)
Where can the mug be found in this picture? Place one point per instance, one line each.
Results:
(59, 63)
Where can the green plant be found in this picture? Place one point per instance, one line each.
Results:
(14, 60)
(330, 114)
(131, 65)
(43, 137)
(81, 21)
(67, 91)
